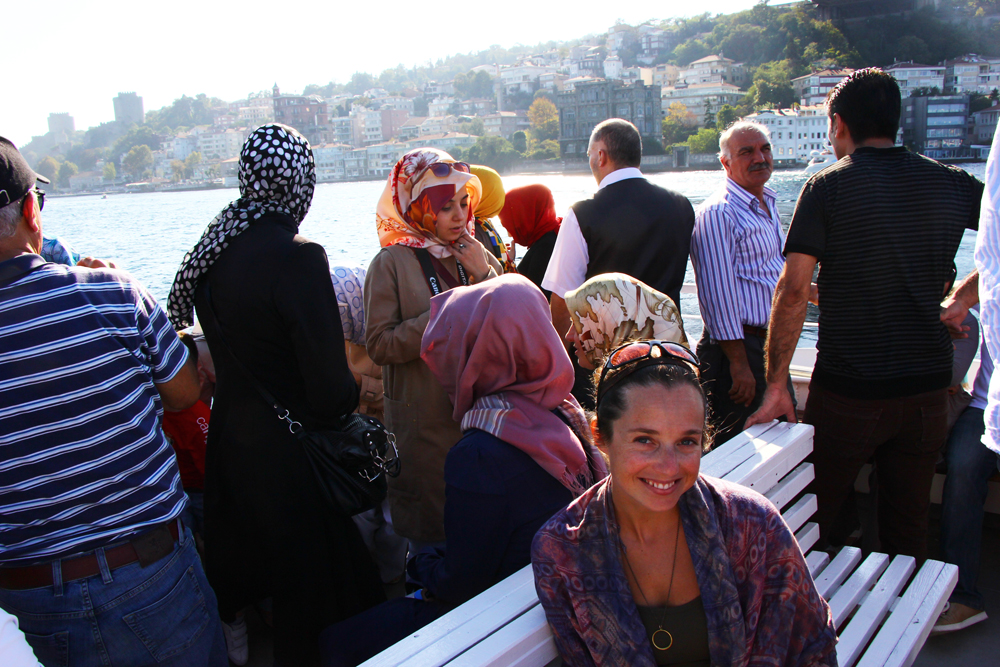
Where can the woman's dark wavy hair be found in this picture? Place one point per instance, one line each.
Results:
(612, 405)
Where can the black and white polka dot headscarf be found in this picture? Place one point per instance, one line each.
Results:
(277, 175)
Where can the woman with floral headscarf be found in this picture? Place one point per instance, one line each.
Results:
(611, 309)
(489, 207)
(275, 318)
(424, 221)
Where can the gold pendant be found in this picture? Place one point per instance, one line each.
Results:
(670, 640)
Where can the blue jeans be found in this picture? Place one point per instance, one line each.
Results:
(970, 466)
(163, 614)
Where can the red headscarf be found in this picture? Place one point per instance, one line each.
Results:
(529, 212)
(492, 347)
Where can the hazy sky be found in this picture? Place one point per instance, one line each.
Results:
(76, 56)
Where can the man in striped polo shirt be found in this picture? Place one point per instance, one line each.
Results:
(884, 225)
(736, 253)
(93, 561)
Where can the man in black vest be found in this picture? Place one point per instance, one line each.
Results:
(629, 226)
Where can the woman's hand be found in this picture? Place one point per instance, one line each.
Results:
(470, 252)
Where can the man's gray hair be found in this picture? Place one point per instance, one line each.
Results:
(740, 126)
(10, 215)
(622, 140)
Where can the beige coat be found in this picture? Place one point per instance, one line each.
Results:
(417, 409)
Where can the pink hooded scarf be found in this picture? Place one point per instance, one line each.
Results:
(492, 347)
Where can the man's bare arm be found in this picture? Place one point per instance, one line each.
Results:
(788, 312)
(182, 390)
(956, 307)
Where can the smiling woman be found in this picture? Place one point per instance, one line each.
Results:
(659, 564)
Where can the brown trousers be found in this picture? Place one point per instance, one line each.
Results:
(902, 435)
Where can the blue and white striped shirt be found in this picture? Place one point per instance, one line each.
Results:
(988, 263)
(736, 253)
(83, 459)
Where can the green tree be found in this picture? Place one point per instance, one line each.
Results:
(48, 167)
(137, 160)
(67, 170)
(177, 171)
(678, 125)
(359, 83)
(772, 86)
(494, 152)
(190, 162)
(726, 116)
(520, 141)
(110, 173)
(705, 140)
(544, 118)
(545, 150)
(139, 135)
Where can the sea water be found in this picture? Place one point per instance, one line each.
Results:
(149, 233)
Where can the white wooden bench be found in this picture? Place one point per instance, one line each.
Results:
(506, 626)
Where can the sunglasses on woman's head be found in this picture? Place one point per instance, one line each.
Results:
(640, 354)
(442, 169)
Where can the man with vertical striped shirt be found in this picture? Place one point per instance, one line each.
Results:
(93, 560)
(736, 253)
(884, 225)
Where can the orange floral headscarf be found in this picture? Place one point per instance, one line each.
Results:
(407, 210)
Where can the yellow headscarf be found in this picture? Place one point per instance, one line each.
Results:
(493, 192)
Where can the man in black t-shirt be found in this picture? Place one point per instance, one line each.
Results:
(884, 225)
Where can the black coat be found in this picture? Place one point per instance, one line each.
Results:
(266, 531)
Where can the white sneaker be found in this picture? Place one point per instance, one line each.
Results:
(957, 616)
(236, 641)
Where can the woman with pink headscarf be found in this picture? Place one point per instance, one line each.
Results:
(525, 453)
(424, 221)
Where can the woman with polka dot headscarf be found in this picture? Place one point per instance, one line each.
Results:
(275, 310)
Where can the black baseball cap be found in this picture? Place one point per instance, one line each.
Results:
(16, 177)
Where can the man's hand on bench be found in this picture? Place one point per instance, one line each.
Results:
(777, 403)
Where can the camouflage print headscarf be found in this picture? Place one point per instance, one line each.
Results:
(612, 308)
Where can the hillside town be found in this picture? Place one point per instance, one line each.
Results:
(536, 113)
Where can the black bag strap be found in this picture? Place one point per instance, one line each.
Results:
(282, 412)
(433, 280)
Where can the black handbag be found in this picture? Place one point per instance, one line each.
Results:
(350, 462)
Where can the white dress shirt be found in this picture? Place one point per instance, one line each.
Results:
(567, 268)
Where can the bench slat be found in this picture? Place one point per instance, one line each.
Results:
(799, 513)
(861, 628)
(906, 629)
(721, 461)
(807, 536)
(837, 571)
(817, 562)
(436, 643)
(792, 485)
(526, 641)
(775, 459)
(847, 597)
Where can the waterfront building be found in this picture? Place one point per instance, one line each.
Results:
(936, 126)
(392, 120)
(702, 99)
(356, 163)
(396, 102)
(219, 144)
(795, 133)
(128, 109)
(381, 158)
(329, 160)
(912, 76)
(306, 113)
(181, 145)
(433, 126)
(366, 126)
(812, 89)
(523, 77)
(447, 141)
(410, 129)
(613, 67)
(714, 69)
(590, 103)
(440, 107)
(61, 122)
(501, 124)
(972, 73)
(341, 130)
(985, 125)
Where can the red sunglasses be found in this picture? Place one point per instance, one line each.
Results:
(640, 354)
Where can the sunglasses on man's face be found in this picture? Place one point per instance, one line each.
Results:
(640, 354)
(40, 196)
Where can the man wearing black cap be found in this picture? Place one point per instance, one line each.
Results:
(94, 561)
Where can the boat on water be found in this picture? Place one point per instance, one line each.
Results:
(818, 161)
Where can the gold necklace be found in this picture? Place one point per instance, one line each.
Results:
(669, 639)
